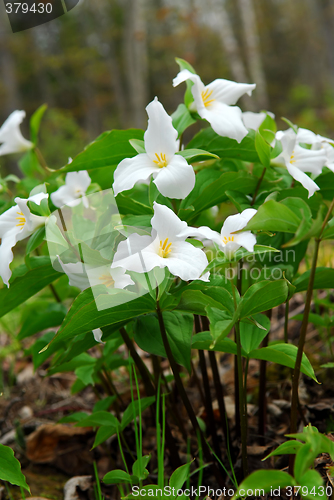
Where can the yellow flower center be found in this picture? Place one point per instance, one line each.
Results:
(206, 94)
(22, 220)
(164, 248)
(107, 280)
(161, 160)
(227, 240)
(292, 157)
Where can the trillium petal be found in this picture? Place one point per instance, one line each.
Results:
(6, 255)
(308, 160)
(160, 136)
(137, 253)
(288, 140)
(228, 92)
(303, 178)
(253, 120)
(121, 278)
(186, 261)
(10, 135)
(184, 75)
(32, 221)
(78, 180)
(63, 196)
(177, 179)
(76, 274)
(204, 233)
(225, 120)
(98, 335)
(246, 240)
(37, 198)
(8, 220)
(132, 170)
(205, 277)
(306, 136)
(238, 221)
(329, 150)
(167, 224)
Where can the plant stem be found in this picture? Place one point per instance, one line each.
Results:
(41, 158)
(218, 388)
(236, 376)
(62, 220)
(262, 396)
(150, 391)
(142, 368)
(242, 406)
(286, 321)
(220, 398)
(184, 396)
(241, 393)
(54, 293)
(51, 286)
(198, 383)
(208, 403)
(258, 186)
(303, 329)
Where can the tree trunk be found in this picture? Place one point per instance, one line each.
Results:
(108, 51)
(135, 50)
(11, 97)
(253, 52)
(214, 15)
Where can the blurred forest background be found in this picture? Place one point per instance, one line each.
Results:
(99, 66)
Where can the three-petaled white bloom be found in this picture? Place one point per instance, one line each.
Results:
(227, 240)
(11, 139)
(173, 176)
(166, 247)
(255, 120)
(84, 276)
(213, 103)
(76, 185)
(299, 160)
(16, 224)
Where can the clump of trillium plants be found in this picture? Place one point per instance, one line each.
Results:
(179, 248)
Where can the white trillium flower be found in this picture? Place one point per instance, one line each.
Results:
(16, 224)
(76, 185)
(227, 240)
(84, 276)
(255, 120)
(213, 102)
(10, 135)
(173, 176)
(299, 160)
(166, 247)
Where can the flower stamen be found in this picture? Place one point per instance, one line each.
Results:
(164, 248)
(107, 280)
(205, 96)
(22, 220)
(161, 160)
(291, 157)
(228, 240)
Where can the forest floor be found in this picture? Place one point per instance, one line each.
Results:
(50, 453)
